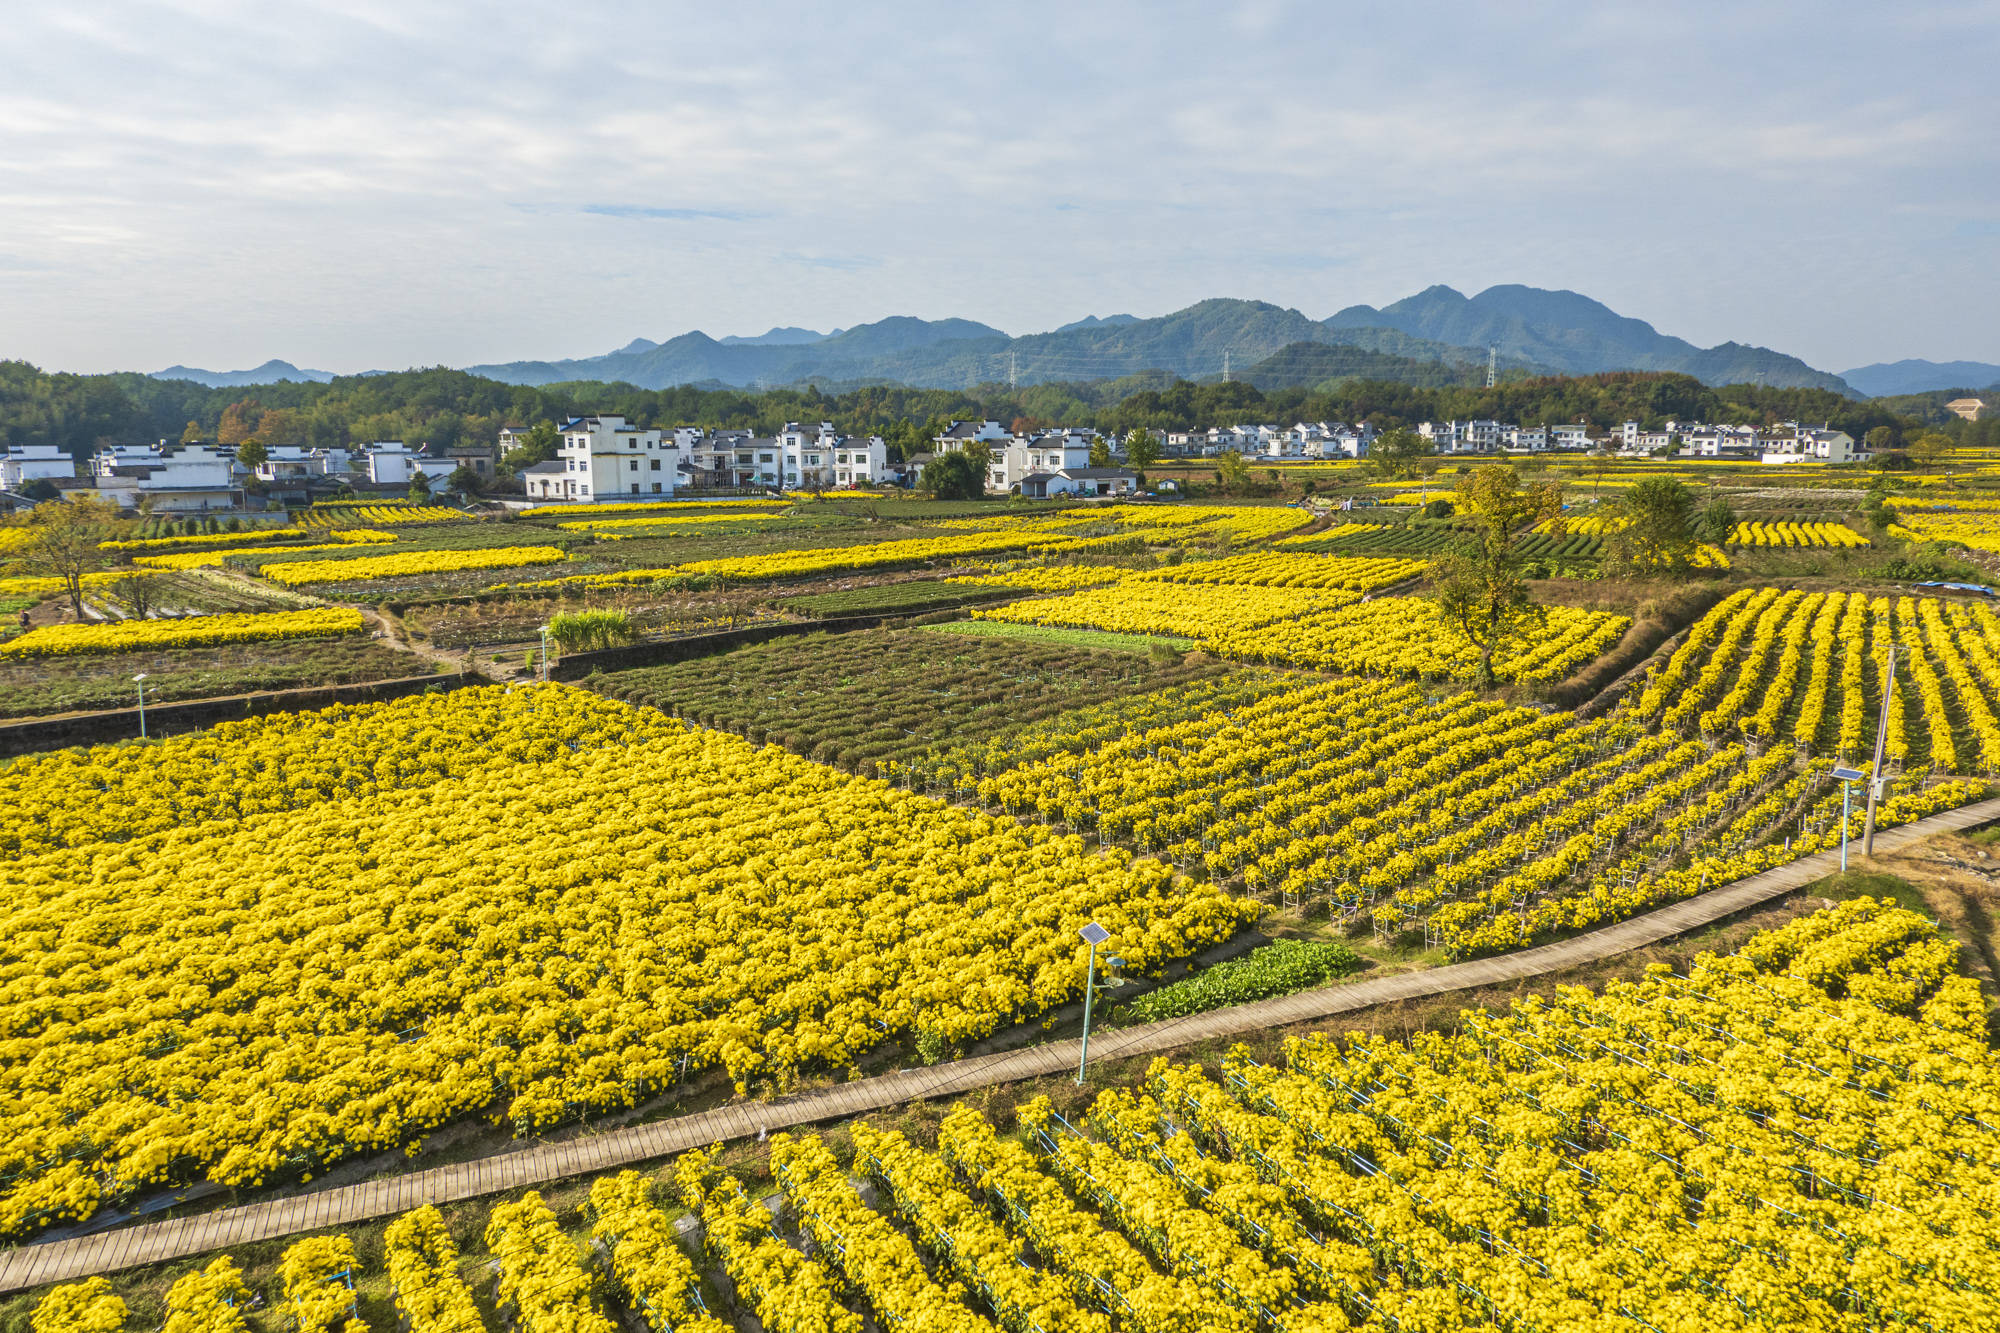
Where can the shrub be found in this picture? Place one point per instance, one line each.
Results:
(585, 631)
(1275, 969)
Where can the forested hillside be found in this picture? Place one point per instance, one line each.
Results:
(443, 407)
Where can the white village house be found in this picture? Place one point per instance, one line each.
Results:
(23, 463)
(166, 478)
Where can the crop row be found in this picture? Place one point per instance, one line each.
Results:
(871, 698)
(1808, 669)
(127, 636)
(576, 945)
(1804, 1127)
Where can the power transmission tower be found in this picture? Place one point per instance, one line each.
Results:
(1225, 366)
(1492, 364)
(1013, 370)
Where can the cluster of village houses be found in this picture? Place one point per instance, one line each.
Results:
(605, 458)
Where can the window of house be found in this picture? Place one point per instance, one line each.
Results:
(765, 458)
(634, 467)
(656, 465)
(656, 488)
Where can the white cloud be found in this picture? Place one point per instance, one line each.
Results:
(362, 184)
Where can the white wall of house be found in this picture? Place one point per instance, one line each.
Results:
(179, 479)
(606, 459)
(860, 460)
(24, 463)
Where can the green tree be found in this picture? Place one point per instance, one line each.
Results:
(420, 487)
(1142, 448)
(1880, 438)
(1658, 535)
(540, 446)
(1232, 471)
(1929, 449)
(1875, 508)
(1100, 452)
(1394, 453)
(955, 476)
(465, 481)
(62, 543)
(252, 452)
(1478, 586)
(1715, 521)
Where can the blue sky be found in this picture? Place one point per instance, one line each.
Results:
(380, 183)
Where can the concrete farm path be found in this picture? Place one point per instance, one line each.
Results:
(152, 1242)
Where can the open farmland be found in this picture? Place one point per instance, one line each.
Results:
(1197, 611)
(39, 686)
(1483, 826)
(573, 946)
(1311, 1192)
(1399, 636)
(1809, 669)
(755, 857)
(871, 699)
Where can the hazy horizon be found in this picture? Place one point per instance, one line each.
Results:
(354, 186)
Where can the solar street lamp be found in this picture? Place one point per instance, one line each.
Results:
(1095, 935)
(1847, 778)
(1875, 783)
(140, 681)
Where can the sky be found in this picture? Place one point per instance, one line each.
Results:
(374, 184)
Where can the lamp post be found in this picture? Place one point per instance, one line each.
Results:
(1881, 735)
(1095, 935)
(1847, 777)
(545, 654)
(140, 681)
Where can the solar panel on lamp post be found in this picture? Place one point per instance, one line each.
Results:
(1847, 778)
(1095, 935)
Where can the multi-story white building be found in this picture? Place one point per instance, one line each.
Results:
(861, 460)
(1701, 441)
(1050, 451)
(298, 462)
(165, 478)
(23, 463)
(1533, 439)
(390, 463)
(1569, 437)
(604, 458)
(961, 433)
(1792, 443)
(1447, 437)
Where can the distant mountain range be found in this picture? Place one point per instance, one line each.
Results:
(1884, 379)
(1577, 336)
(271, 372)
(1436, 336)
(1539, 331)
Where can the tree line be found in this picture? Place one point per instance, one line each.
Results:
(445, 407)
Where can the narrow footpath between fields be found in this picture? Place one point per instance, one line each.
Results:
(81, 1256)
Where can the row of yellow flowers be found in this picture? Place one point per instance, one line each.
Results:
(737, 936)
(404, 564)
(128, 636)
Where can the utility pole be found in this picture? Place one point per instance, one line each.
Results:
(1875, 776)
